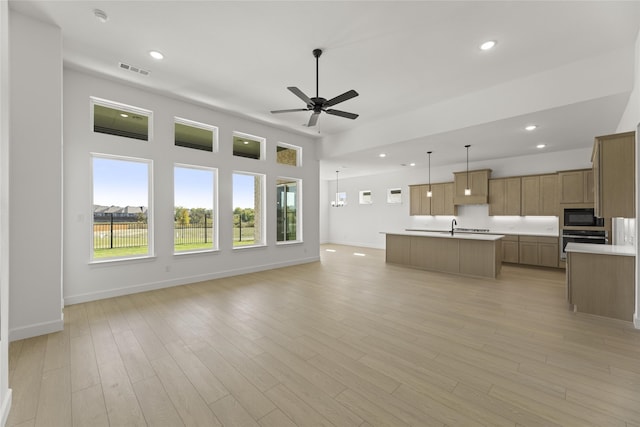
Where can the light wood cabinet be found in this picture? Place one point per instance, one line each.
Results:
(540, 195)
(539, 250)
(504, 196)
(441, 202)
(478, 181)
(576, 186)
(614, 175)
(600, 284)
(510, 249)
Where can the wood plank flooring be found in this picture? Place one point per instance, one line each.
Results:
(348, 341)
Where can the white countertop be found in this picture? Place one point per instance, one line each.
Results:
(447, 235)
(510, 232)
(592, 248)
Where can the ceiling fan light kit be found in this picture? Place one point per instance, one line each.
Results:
(317, 104)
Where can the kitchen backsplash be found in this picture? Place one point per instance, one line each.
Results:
(477, 216)
(623, 231)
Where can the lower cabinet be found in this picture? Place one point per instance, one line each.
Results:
(539, 250)
(510, 250)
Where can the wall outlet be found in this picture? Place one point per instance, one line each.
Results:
(167, 268)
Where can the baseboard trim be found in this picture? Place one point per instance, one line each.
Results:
(127, 290)
(35, 330)
(6, 407)
(358, 244)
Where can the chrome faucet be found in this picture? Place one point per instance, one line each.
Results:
(453, 222)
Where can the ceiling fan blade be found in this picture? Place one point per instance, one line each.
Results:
(313, 120)
(297, 92)
(341, 98)
(288, 111)
(344, 114)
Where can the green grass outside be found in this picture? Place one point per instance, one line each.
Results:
(120, 252)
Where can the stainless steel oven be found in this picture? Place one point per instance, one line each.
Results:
(582, 236)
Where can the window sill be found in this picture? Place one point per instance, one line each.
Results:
(133, 260)
(289, 242)
(204, 251)
(239, 248)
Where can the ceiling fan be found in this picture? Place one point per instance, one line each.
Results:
(317, 104)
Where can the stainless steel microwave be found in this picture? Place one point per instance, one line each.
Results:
(581, 217)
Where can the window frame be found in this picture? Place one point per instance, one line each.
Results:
(94, 100)
(296, 148)
(198, 125)
(299, 210)
(262, 218)
(214, 210)
(150, 217)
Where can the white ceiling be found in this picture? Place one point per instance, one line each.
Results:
(402, 57)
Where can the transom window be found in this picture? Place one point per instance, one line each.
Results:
(249, 146)
(198, 136)
(113, 118)
(288, 154)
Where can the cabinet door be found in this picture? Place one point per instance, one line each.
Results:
(530, 195)
(449, 193)
(415, 200)
(548, 255)
(437, 199)
(512, 203)
(549, 195)
(425, 207)
(616, 164)
(588, 186)
(510, 251)
(497, 196)
(571, 187)
(528, 252)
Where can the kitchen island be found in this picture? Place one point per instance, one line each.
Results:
(467, 254)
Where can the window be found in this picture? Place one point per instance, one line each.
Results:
(365, 197)
(288, 207)
(195, 221)
(288, 154)
(122, 120)
(245, 145)
(121, 200)
(198, 136)
(248, 215)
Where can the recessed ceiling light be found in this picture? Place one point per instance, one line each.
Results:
(100, 15)
(156, 55)
(531, 127)
(124, 115)
(246, 142)
(382, 155)
(412, 164)
(489, 44)
(541, 145)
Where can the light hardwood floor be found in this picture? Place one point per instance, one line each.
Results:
(349, 341)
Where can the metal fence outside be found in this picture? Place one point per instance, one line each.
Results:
(135, 234)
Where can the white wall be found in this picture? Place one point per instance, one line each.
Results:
(35, 192)
(361, 225)
(84, 281)
(631, 121)
(5, 392)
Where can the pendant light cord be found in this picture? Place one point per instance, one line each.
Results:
(467, 147)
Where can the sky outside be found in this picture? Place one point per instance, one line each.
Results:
(125, 183)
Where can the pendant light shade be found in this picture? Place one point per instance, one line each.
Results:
(467, 190)
(337, 203)
(429, 193)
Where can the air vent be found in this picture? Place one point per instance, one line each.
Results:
(134, 69)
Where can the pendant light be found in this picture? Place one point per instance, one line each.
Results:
(467, 190)
(429, 193)
(336, 203)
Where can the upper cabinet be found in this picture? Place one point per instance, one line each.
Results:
(441, 202)
(504, 196)
(614, 175)
(576, 186)
(540, 195)
(477, 181)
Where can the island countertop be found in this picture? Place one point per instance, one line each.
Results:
(448, 235)
(592, 248)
